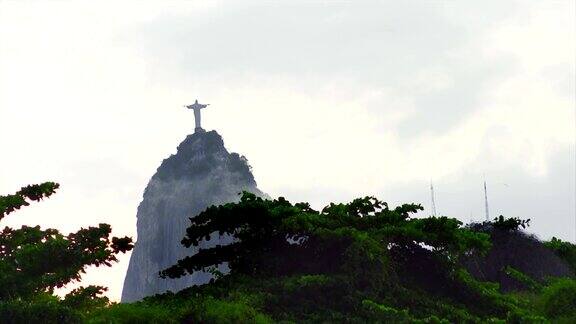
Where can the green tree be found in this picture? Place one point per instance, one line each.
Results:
(275, 237)
(34, 261)
(362, 260)
(565, 250)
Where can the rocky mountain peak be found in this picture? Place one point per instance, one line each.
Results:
(202, 173)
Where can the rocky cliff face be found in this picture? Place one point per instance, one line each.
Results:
(202, 173)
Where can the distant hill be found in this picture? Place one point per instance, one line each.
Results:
(516, 251)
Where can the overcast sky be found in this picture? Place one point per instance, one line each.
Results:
(328, 100)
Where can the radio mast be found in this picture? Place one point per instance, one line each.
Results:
(486, 202)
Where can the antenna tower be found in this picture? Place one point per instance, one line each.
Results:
(486, 202)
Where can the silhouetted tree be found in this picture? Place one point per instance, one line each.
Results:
(275, 237)
(35, 261)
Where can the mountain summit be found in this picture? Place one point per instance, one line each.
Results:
(202, 173)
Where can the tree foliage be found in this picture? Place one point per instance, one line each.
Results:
(35, 192)
(565, 250)
(35, 261)
(360, 262)
(311, 241)
(503, 224)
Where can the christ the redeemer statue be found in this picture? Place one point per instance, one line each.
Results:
(196, 106)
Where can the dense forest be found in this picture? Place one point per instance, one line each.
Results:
(360, 262)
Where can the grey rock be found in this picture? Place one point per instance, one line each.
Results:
(202, 173)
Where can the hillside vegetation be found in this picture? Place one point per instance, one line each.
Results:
(361, 262)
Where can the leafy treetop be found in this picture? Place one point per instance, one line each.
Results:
(311, 241)
(34, 261)
(35, 192)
